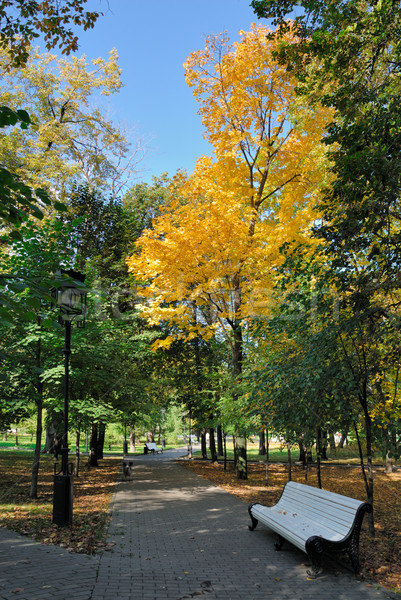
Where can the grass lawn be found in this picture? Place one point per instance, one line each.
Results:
(278, 453)
(25, 443)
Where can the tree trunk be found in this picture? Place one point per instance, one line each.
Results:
(93, 448)
(203, 444)
(332, 443)
(267, 458)
(289, 461)
(323, 444)
(220, 449)
(33, 492)
(237, 355)
(212, 445)
(100, 440)
(318, 455)
(343, 439)
(369, 440)
(306, 466)
(262, 443)
(225, 450)
(368, 479)
(305, 453)
(391, 444)
(302, 452)
(132, 439)
(77, 452)
(51, 437)
(389, 464)
(242, 467)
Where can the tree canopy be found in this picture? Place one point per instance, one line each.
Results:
(23, 21)
(217, 243)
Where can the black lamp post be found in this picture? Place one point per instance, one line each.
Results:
(190, 435)
(71, 300)
(125, 444)
(163, 411)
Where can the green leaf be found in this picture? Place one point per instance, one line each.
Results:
(24, 116)
(43, 196)
(60, 206)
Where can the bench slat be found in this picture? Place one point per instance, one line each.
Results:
(298, 491)
(291, 521)
(285, 527)
(335, 507)
(333, 520)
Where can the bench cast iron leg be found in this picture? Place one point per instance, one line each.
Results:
(353, 553)
(314, 550)
(279, 544)
(254, 521)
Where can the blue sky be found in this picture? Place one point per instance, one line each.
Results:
(153, 39)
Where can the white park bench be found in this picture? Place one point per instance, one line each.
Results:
(151, 447)
(315, 521)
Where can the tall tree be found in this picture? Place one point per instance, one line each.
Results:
(217, 245)
(29, 340)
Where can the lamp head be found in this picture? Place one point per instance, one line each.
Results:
(70, 297)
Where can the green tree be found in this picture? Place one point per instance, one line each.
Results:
(352, 53)
(29, 340)
(347, 55)
(114, 365)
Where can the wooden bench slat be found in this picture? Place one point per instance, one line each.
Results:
(309, 527)
(334, 521)
(324, 498)
(285, 528)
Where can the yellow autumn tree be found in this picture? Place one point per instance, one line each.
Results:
(217, 245)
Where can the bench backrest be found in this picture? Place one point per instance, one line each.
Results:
(335, 510)
(151, 445)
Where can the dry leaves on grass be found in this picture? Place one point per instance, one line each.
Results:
(92, 494)
(380, 557)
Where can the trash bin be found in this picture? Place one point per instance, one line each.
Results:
(145, 449)
(62, 499)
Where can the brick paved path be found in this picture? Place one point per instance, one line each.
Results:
(33, 571)
(176, 536)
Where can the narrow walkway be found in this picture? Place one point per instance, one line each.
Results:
(175, 536)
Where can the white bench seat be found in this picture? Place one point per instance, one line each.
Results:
(151, 447)
(314, 521)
